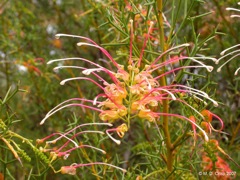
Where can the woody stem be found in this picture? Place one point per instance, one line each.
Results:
(164, 83)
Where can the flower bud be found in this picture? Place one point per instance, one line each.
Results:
(68, 170)
(146, 114)
(207, 115)
(109, 115)
(205, 126)
(121, 130)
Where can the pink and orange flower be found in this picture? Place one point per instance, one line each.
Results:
(134, 91)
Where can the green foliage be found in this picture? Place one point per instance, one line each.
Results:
(29, 88)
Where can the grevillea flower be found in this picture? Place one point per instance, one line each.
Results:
(208, 117)
(219, 169)
(231, 52)
(134, 90)
(211, 161)
(31, 65)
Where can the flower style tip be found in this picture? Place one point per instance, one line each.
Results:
(229, 8)
(43, 120)
(118, 142)
(236, 72)
(89, 71)
(120, 131)
(87, 44)
(209, 68)
(151, 23)
(219, 69)
(232, 9)
(63, 82)
(57, 36)
(215, 103)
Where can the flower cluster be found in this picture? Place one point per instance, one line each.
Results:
(135, 90)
